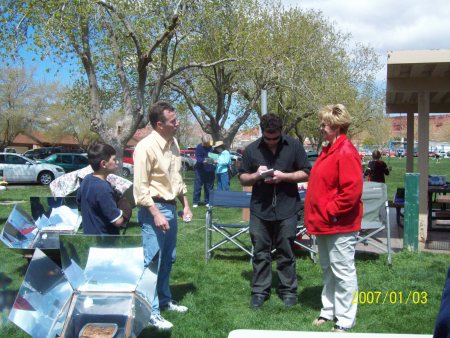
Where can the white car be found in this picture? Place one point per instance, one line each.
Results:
(16, 168)
(127, 170)
(187, 162)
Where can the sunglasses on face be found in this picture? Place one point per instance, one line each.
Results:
(271, 138)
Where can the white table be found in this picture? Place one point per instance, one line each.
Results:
(306, 334)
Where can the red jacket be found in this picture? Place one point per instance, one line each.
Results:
(333, 200)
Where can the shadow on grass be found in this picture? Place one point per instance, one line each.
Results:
(22, 269)
(7, 298)
(230, 254)
(247, 275)
(301, 253)
(179, 291)
(310, 297)
(366, 256)
(154, 333)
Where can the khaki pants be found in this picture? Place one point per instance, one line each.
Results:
(340, 284)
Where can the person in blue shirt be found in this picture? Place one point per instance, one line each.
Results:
(204, 172)
(222, 164)
(442, 326)
(99, 211)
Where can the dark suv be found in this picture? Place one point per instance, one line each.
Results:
(41, 153)
(68, 161)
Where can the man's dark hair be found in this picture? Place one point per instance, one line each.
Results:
(99, 152)
(157, 112)
(271, 123)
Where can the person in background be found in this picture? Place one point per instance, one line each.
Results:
(222, 164)
(157, 184)
(274, 206)
(333, 212)
(442, 326)
(204, 172)
(376, 169)
(100, 212)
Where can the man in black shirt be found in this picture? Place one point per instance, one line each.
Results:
(274, 206)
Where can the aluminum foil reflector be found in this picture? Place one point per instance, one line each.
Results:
(102, 284)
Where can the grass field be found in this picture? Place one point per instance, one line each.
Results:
(397, 175)
(218, 293)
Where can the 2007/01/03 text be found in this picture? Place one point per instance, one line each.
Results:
(390, 297)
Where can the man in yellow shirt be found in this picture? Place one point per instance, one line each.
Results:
(157, 184)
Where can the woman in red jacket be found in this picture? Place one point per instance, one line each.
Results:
(333, 212)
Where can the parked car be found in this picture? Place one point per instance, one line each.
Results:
(10, 150)
(187, 162)
(128, 155)
(387, 153)
(68, 161)
(127, 169)
(312, 156)
(44, 152)
(16, 168)
(188, 152)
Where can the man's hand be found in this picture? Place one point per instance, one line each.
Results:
(278, 176)
(187, 214)
(159, 219)
(161, 222)
(262, 168)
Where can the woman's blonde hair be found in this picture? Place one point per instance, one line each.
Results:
(337, 116)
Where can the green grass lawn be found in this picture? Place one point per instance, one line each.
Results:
(397, 175)
(218, 293)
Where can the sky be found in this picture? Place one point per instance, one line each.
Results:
(384, 25)
(387, 25)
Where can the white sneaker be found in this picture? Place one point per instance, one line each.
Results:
(160, 323)
(194, 205)
(172, 306)
(207, 205)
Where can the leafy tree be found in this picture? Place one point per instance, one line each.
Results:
(320, 68)
(213, 94)
(72, 117)
(127, 48)
(296, 55)
(24, 103)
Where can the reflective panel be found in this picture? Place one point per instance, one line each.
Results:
(20, 229)
(42, 302)
(50, 217)
(55, 213)
(108, 262)
(106, 287)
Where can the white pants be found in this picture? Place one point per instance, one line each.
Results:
(340, 284)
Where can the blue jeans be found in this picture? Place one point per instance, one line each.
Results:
(203, 179)
(157, 241)
(223, 181)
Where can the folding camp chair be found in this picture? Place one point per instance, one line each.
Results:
(304, 240)
(229, 232)
(398, 202)
(375, 217)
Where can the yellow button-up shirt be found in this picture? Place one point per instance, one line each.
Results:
(157, 166)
